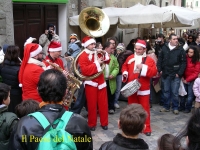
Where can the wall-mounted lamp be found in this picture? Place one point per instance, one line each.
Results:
(152, 26)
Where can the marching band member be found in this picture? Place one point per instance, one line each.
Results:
(131, 70)
(30, 71)
(95, 89)
(54, 54)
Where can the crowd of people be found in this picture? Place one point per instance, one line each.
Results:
(32, 88)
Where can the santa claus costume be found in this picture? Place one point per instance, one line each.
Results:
(95, 89)
(147, 72)
(54, 46)
(30, 72)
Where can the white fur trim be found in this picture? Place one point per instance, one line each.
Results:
(145, 92)
(101, 86)
(139, 44)
(29, 40)
(125, 72)
(37, 51)
(144, 70)
(88, 42)
(98, 66)
(55, 49)
(106, 57)
(131, 60)
(20, 85)
(94, 84)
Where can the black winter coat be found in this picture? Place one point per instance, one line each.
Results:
(171, 62)
(28, 125)
(9, 72)
(121, 143)
(122, 58)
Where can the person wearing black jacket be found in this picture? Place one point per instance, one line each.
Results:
(171, 65)
(9, 70)
(52, 89)
(159, 43)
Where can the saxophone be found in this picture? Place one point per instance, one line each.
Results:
(72, 84)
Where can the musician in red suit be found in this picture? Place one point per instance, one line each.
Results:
(54, 51)
(95, 89)
(30, 71)
(133, 65)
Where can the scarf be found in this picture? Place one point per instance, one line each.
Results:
(36, 62)
(171, 47)
(90, 52)
(137, 59)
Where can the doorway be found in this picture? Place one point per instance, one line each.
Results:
(31, 20)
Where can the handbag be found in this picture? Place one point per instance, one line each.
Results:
(133, 86)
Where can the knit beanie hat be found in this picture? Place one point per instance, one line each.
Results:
(120, 46)
(73, 36)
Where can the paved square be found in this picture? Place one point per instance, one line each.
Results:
(161, 123)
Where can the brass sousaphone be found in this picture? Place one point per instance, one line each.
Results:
(95, 23)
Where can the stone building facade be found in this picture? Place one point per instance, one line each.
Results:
(6, 22)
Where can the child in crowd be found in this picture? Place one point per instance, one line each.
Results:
(74, 47)
(131, 122)
(196, 90)
(165, 142)
(8, 120)
(26, 107)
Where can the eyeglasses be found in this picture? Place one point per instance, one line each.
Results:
(112, 43)
(190, 38)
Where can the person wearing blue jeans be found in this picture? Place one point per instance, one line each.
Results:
(186, 101)
(80, 101)
(171, 66)
(117, 92)
(190, 74)
(170, 86)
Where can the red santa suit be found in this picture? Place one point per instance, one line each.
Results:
(30, 72)
(54, 47)
(142, 95)
(58, 61)
(95, 89)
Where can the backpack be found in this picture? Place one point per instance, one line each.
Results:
(55, 138)
(6, 120)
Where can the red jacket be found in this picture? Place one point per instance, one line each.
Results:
(191, 70)
(57, 61)
(91, 67)
(148, 71)
(30, 80)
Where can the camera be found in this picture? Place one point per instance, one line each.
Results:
(50, 32)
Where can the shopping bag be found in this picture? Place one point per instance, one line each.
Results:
(182, 91)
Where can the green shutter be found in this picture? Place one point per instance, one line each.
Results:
(41, 1)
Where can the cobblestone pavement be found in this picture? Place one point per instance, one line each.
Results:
(161, 123)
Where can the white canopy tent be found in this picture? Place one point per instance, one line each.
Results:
(140, 16)
(185, 16)
(112, 13)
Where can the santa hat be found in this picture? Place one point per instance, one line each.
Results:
(141, 43)
(54, 46)
(30, 50)
(73, 36)
(87, 40)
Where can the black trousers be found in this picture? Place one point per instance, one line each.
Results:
(111, 97)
